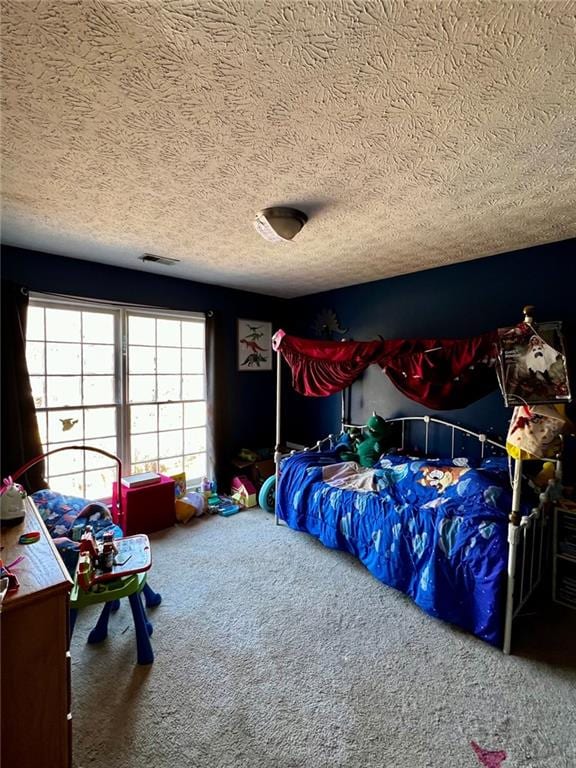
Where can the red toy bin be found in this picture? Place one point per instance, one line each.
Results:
(147, 508)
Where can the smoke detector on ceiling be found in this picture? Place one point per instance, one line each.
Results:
(279, 225)
(165, 260)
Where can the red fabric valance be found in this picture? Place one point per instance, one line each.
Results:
(438, 373)
(321, 368)
(445, 373)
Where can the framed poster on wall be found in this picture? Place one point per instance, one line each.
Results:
(532, 365)
(254, 345)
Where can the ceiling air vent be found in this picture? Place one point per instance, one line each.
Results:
(158, 259)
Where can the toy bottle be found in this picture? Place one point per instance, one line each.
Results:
(88, 543)
(84, 570)
(205, 487)
(108, 552)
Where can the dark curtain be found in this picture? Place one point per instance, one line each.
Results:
(216, 401)
(20, 435)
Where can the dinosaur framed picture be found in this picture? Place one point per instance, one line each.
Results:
(254, 345)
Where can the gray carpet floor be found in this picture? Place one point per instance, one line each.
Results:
(275, 652)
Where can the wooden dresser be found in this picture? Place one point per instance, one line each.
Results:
(35, 672)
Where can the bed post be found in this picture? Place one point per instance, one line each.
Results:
(513, 536)
(277, 453)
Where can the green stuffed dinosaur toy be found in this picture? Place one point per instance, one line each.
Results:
(370, 445)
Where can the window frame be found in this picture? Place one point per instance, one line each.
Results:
(121, 388)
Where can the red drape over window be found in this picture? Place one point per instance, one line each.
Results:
(438, 373)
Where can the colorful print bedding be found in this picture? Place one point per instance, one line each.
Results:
(436, 529)
(66, 517)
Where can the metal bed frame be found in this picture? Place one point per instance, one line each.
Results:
(526, 533)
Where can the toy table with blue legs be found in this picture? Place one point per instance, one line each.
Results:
(127, 578)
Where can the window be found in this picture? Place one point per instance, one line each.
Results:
(131, 382)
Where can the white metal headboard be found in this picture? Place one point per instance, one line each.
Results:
(482, 438)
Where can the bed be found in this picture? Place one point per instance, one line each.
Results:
(457, 532)
(433, 528)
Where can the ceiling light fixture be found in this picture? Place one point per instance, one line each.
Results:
(165, 260)
(279, 224)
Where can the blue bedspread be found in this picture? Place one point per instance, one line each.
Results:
(434, 529)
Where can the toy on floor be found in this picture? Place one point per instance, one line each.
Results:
(213, 502)
(243, 491)
(267, 494)
(127, 579)
(193, 504)
(488, 757)
(227, 507)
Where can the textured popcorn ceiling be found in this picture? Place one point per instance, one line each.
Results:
(414, 134)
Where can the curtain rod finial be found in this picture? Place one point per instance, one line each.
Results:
(528, 313)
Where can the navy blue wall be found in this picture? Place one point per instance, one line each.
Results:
(250, 406)
(455, 301)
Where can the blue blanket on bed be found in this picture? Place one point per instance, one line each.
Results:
(434, 529)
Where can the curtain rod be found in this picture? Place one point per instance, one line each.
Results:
(111, 302)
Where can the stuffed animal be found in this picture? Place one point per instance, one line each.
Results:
(12, 508)
(369, 445)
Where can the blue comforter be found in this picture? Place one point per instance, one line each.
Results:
(434, 529)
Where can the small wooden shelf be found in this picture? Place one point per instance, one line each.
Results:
(564, 565)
